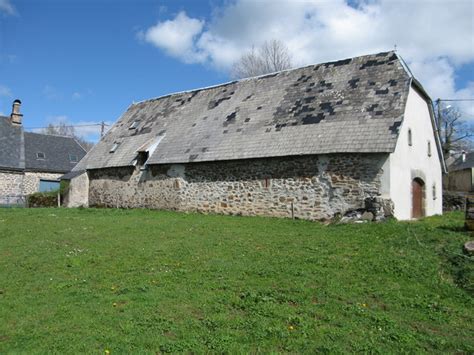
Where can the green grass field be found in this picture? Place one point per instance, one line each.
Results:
(145, 281)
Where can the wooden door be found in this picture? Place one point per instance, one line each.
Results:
(417, 203)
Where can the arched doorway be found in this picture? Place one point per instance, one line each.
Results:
(418, 198)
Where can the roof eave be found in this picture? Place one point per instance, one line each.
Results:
(434, 123)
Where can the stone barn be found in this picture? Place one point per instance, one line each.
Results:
(316, 142)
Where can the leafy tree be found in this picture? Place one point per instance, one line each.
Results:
(271, 57)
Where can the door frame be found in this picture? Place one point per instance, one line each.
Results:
(422, 184)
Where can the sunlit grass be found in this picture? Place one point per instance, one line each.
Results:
(136, 280)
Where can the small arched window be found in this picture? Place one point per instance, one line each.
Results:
(429, 148)
(434, 191)
(410, 139)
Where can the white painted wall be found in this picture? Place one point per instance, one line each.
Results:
(407, 162)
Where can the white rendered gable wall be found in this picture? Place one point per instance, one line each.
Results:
(408, 162)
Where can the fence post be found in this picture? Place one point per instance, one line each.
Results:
(469, 216)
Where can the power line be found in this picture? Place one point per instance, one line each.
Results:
(72, 126)
(455, 100)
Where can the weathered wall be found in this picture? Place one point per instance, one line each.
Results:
(77, 193)
(459, 180)
(11, 183)
(32, 181)
(318, 186)
(412, 161)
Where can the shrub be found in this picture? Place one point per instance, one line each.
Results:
(43, 199)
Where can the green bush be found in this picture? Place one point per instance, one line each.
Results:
(63, 186)
(43, 199)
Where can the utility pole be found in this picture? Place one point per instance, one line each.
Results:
(438, 102)
(102, 129)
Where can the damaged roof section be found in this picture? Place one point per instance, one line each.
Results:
(352, 105)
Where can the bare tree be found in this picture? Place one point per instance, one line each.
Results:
(455, 133)
(271, 57)
(62, 129)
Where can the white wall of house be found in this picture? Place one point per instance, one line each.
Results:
(410, 161)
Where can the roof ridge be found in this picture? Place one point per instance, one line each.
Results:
(262, 76)
(49, 135)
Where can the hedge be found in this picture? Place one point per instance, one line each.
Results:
(43, 199)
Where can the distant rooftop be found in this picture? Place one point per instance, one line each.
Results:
(29, 151)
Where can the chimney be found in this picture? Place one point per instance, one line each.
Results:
(463, 156)
(16, 116)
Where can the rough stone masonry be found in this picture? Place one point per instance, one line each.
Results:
(307, 187)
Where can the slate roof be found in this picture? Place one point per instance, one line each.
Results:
(18, 150)
(72, 174)
(351, 105)
(56, 149)
(11, 145)
(458, 164)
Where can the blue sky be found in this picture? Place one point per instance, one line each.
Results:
(85, 61)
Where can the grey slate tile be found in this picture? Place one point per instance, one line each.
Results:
(309, 110)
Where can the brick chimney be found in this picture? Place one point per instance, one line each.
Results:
(16, 116)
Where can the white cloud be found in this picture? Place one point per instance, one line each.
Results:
(6, 7)
(5, 91)
(51, 93)
(7, 58)
(79, 95)
(176, 37)
(435, 37)
(5, 98)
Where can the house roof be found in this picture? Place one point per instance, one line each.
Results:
(11, 145)
(352, 105)
(19, 149)
(458, 164)
(72, 174)
(60, 153)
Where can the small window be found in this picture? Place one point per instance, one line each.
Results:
(73, 158)
(40, 155)
(142, 157)
(114, 148)
(429, 148)
(133, 125)
(434, 191)
(266, 183)
(410, 139)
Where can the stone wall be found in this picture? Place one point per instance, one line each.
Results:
(309, 187)
(11, 183)
(459, 180)
(32, 181)
(77, 193)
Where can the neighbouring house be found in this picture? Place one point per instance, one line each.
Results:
(460, 177)
(316, 142)
(32, 162)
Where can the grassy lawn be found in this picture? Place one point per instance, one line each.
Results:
(146, 281)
